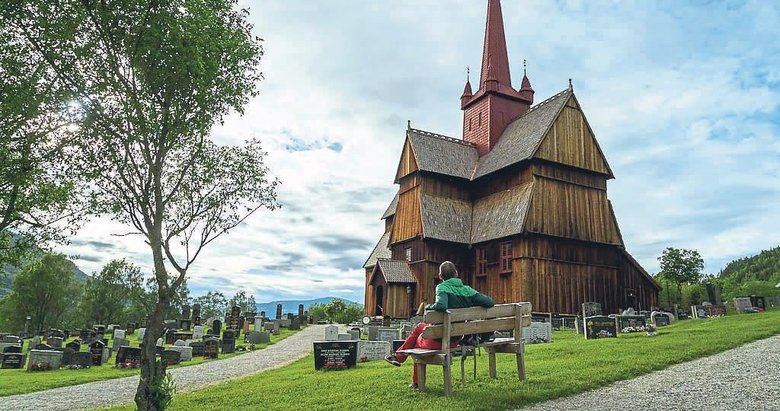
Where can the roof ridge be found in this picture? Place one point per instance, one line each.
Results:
(442, 137)
(544, 102)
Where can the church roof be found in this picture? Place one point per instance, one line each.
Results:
(446, 218)
(391, 208)
(381, 250)
(501, 214)
(443, 155)
(395, 271)
(522, 136)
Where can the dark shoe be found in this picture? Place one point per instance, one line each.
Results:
(392, 360)
(413, 386)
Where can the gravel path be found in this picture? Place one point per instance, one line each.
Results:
(122, 390)
(745, 378)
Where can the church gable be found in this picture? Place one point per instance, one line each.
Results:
(408, 164)
(570, 141)
(408, 222)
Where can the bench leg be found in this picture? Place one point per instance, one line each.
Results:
(463, 368)
(492, 363)
(420, 376)
(520, 363)
(447, 380)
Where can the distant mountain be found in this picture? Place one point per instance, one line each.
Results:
(291, 306)
(7, 280)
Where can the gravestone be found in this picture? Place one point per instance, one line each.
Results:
(277, 324)
(131, 328)
(141, 333)
(742, 304)
(699, 311)
(118, 333)
(388, 334)
(251, 317)
(228, 341)
(120, 342)
(55, 342)
(67, 354)
(170, 324)
(373, 350)
(335, 355)
(713, 292)
(43, 347)
(180, 343)
(185, 312)
(128, 356)
(244, 325)
(197, 348)
(331, 333)
(278, 311)
(406, 329)
(590, 309)
(300, 310)
(211, 348)
(196, 320)
(197, 332)
(715, 310)
(12, 349)
(345, 337)
(284, 322)
(81, 359)
(171, 357)
(106, 354)
(355, 333)
(96, 350)
(624, 321)
(295, 324)
(758, 302)
(170, 336)
(46, 359)
(262, 314)
(660, 318)
(185, 324)
(258, 337)
(600, 326)
(217, 327)
(100, 329)
(290, 316)
(373, 332)
(537, 332)
(185, 352)
(13, 360)
(85, 335)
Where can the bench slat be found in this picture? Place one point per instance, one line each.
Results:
(471, 327)
(419, 351)
(477, 313)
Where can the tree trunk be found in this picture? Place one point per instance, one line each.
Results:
(147, 396)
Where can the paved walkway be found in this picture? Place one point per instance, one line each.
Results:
(744, 378)
(122, 390)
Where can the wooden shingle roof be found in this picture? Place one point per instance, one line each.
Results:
(443, 155)
(446, 218)
(522, 136)
(381, 250)
(501, 214)
(391, 208)
(395, 271)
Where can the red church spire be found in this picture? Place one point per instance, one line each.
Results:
(495, 104)
(494, 49)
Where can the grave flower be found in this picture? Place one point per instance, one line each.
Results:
(651, 330)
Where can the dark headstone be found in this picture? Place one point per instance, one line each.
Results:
(295, 324)
(197, 348)
(67, 355)
(170, 336)
(300, 310)
(714, 310)
(217, 327)
(74, 345)
(661, 320)
(590, 309)
(171, 357)
(262, 314)
(250, 317)
(128, 355)
(99, 329)
(624, 321)
(12, 349)
(185, 324)
(229, 341)
(185, 312)
(82, 359)
(335, 355)
(278, 311)
(599, 326)
(86, 335)
(196, 310)
(211, 348)
(13, 360)
(96, 350)
(130, 329)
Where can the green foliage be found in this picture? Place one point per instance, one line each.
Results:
(567, 366)
(163, 390)
(245, 301)
(755, 275)
(212, 304)
(679, 266)
(111, 295)
(337, 311)
(45, 290)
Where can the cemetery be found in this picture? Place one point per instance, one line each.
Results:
(68, 357)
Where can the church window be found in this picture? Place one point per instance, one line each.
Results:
(408, 252)
(505, 253)
(482, 261)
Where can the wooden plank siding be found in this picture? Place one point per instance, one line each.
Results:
(408, 220)
(407, 164)
(397, 301)
(444, 187)
(566, 210)
(570, 141)
(569, 174)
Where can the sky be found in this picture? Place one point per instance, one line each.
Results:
(683, 97)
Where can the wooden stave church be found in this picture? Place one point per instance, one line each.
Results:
(519, 205)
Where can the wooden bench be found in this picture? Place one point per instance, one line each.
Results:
(470, 321)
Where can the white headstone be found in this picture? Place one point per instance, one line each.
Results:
(537, 332)
(160, 342)
(119, 333)
(185, 353)
(141, 333)
(373, 350)
(331, 333)
(197, 332)
(180, 343)
(388, 334)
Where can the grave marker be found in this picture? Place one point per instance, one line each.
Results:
(96, 351)
(128, 356)
(388, 334)
(82, 359)
(537, 332)
(331, 333)
(13, 360)
(335, 355)
(45, 360)
(211, 348)
(278, 311)
(373, 350)
(171, 357)
(600, 326)
(624, 321)
(742, 304)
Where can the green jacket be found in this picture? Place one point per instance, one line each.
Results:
(452, 293)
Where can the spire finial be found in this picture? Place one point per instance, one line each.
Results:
(571, 88)
(468, 73)
(408, 124)
(524, 67)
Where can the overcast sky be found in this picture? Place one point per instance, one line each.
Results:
(682, 96)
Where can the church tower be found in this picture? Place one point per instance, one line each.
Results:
(487, 112)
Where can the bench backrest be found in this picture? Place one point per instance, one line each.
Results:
(477, 320)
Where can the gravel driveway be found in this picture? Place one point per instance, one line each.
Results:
(122, 390)
(745, 378)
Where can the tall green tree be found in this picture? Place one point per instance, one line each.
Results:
(152, 78)
(244, 300)
(45, 290)
(212, 304)
(681, 266)
(109, 295)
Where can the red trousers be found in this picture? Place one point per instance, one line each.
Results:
(415, 340)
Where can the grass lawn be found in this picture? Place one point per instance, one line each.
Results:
(21, 381)
(568, 365)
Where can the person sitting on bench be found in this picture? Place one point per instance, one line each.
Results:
(450, 294)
